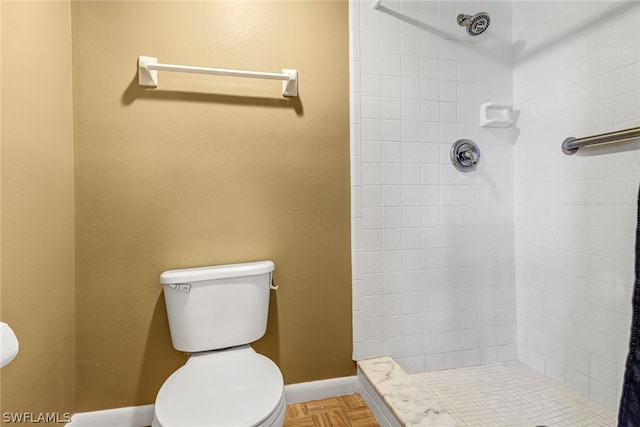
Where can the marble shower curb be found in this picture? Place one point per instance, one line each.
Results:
(404, 398)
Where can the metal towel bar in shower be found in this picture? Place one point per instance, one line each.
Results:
(148, 68)
(571, 145)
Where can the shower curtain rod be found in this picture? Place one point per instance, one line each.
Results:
(148, 68)
(571, 145)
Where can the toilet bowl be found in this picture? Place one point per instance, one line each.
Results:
(234, 387)
(214, 313)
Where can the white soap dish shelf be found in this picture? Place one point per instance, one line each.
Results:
(496, 115)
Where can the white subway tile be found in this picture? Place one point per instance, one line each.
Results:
(390, 239)
(389, 86)
(391, 152)
(410, 43)
(390, 42)
(447, 91)
(392, 217)
(390, 64)
(391, 108)
(410, 87)
(370, 84)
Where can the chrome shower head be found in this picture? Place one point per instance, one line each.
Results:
(476, 24)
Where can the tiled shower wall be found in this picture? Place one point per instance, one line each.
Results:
(576, 75)
(433, 248)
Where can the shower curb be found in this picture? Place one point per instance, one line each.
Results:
(406, 403)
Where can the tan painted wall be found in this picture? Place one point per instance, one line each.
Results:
(208, 170)
(37, 205)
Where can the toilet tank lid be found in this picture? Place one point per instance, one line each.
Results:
(216, 272)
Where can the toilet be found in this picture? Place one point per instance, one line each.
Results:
(214, 314)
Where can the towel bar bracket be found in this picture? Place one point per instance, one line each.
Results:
(146, 76)
(565, 149)
(290, 87)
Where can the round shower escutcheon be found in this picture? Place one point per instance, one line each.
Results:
(465, 155)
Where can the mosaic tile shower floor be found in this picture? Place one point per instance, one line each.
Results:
(511, 395)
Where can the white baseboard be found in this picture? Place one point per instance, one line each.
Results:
(321, 389)
(140, 416)
(131, 416)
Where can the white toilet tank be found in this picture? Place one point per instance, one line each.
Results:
(215, 307)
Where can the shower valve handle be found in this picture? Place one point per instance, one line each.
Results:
(465, 155)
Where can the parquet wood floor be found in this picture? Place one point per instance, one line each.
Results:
(342, 411)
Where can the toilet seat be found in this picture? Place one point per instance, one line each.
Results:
(226, 388)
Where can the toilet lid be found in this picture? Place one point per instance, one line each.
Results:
(236, 387)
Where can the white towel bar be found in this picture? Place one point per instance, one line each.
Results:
(148, 68)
